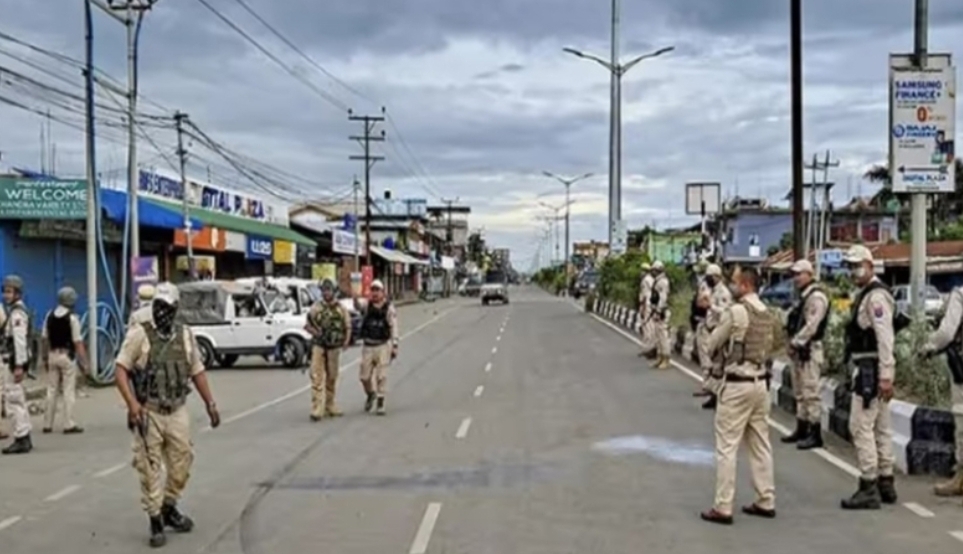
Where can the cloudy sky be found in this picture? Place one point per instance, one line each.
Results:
(481, 97)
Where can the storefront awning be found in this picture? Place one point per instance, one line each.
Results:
(115, 204)
(387, 255)
(240, 224)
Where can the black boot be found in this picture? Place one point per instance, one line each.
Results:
(796, 435)
(20, 445)
(369, 402)
(381, 406)
(887, 489)
(174, 519)
(814, 439)
(866, 498)
(157, 536)
(711, 403)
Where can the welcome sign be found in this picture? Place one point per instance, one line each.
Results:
(22, 198)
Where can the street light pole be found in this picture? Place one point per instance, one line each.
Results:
(567, 183)
(617, 71)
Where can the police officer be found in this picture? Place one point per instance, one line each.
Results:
(16, 359)
(718, 300)
(745, 331)
(947, 338)
(379, 333)
(330, 325)
(806, 326)
(141, 315)
(659, 302)
(645, 309)
(63, 353)
(869, 347)
(155, 366)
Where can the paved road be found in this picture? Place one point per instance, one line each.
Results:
(528, 428)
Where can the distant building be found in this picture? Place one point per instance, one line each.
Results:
(589, 253)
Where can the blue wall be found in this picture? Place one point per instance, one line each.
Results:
(770, 227)
(46, 265)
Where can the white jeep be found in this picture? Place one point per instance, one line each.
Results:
(230, 320)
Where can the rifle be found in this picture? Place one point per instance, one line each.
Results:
(141, 382)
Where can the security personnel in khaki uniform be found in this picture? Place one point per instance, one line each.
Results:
(719, 301)
(659, 302)
(379, 333)
(142, 314)
(15, 350)
(948, 338)
(62, 353)
(4, 377)
(869, 348)
(745, 331)
(155, 366)
(330, 325)
(645, 310)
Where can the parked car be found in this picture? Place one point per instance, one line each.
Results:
(231, 319)
(781, 295)
(932, 301)
(301, 294)
(494, 292)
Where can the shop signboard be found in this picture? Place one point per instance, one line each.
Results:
(144, 270)
(23, 198)
(367, 277)
(259, 248)
(344, 242)
(284, 252)
(214, 198)
(320, 272)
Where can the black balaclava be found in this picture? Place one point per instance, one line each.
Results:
(163, 314)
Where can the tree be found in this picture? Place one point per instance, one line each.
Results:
(945, 206)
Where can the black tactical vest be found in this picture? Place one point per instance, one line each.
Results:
(375, 327)
(859, 340)
(797, 316)
(59, 332)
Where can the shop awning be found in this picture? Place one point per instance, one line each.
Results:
(394, 256)
(115, 204)
(241, 224)
(415, 261)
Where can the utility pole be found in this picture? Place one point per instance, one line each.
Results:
(815, 232)
(357, 240)
(449, 234)
(369, 122)
(179, 119)
(918, 199)
(93, 349)
(795, 40)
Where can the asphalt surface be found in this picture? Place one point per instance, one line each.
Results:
(528, 428)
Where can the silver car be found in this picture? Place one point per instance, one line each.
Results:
(932, 300)
(494, 292)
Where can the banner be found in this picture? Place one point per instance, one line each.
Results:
(367, 276)
(22, 198)
(283, 252)
(319, 272)
(144, 270)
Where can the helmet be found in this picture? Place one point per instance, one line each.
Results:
(168, 293)
(646, 266)
(14, 282)
(146, 292)
(658, 265)
(327, 284)
(67, 297)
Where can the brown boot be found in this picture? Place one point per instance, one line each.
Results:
(663, 363)
(953, 487)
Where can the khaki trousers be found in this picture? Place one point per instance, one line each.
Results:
(873, 437)
(663, 338)
(15, 403)
(741, 416)
(709, 383)
(167, 444)
(325, 369)
(956, 393)
(805, 385)
(374, 368)
(61, 381)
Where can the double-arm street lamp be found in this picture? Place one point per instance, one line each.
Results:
(568, 185)
(617, 70)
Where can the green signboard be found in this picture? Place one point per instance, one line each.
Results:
(22, 198)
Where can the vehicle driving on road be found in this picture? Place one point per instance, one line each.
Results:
(494, 292)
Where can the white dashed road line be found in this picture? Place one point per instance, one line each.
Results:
(62, 493)
(479, 390)
(109, 471)
(463, 428)
(488, 367)
(918, 509)
(9, 522)
(958, 535)
(420, 544)
(494, 349)
(498, 338)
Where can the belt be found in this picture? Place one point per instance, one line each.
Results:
(732, 378)
(374, 343)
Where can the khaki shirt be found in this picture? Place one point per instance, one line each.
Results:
(876, 312)
(817, 304)
(733, 327)
(316, 309)
(645, 289)
(721, 299)
(662, 287)
(59, 311)
(135, 349)
(15, 325)
(950, 325)
(141, 315)
(392, 316)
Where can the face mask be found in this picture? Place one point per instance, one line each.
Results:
(859, 272)
(711, 281)
(163, 315)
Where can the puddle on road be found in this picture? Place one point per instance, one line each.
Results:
(657, 447)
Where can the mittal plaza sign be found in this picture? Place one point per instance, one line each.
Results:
(22, 198)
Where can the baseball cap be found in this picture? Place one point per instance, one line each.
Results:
(167, 292)
(714, 271)
(377, 284)
(858, 253)
(802, 266)
(658, 265)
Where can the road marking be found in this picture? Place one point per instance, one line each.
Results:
(821, 452)
(62, 493)
(463, 428)
(420, 545)
(479, 390)
(305, 388)
(9, 522)
(958, 535)
(494, 349)
(488, 367)
(918, 509)
(498, 338)
(502, 330)
(109, 471)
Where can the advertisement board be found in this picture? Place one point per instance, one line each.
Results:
(922, 125)
(259, 248)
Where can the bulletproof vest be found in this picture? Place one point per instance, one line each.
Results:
(330, 321)
(756, 343)
(859, 340)
(59, 332)
(375, 327)
(697, 311)
(7, 344)
(797, 316)
(655, 297)
(169, 368)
